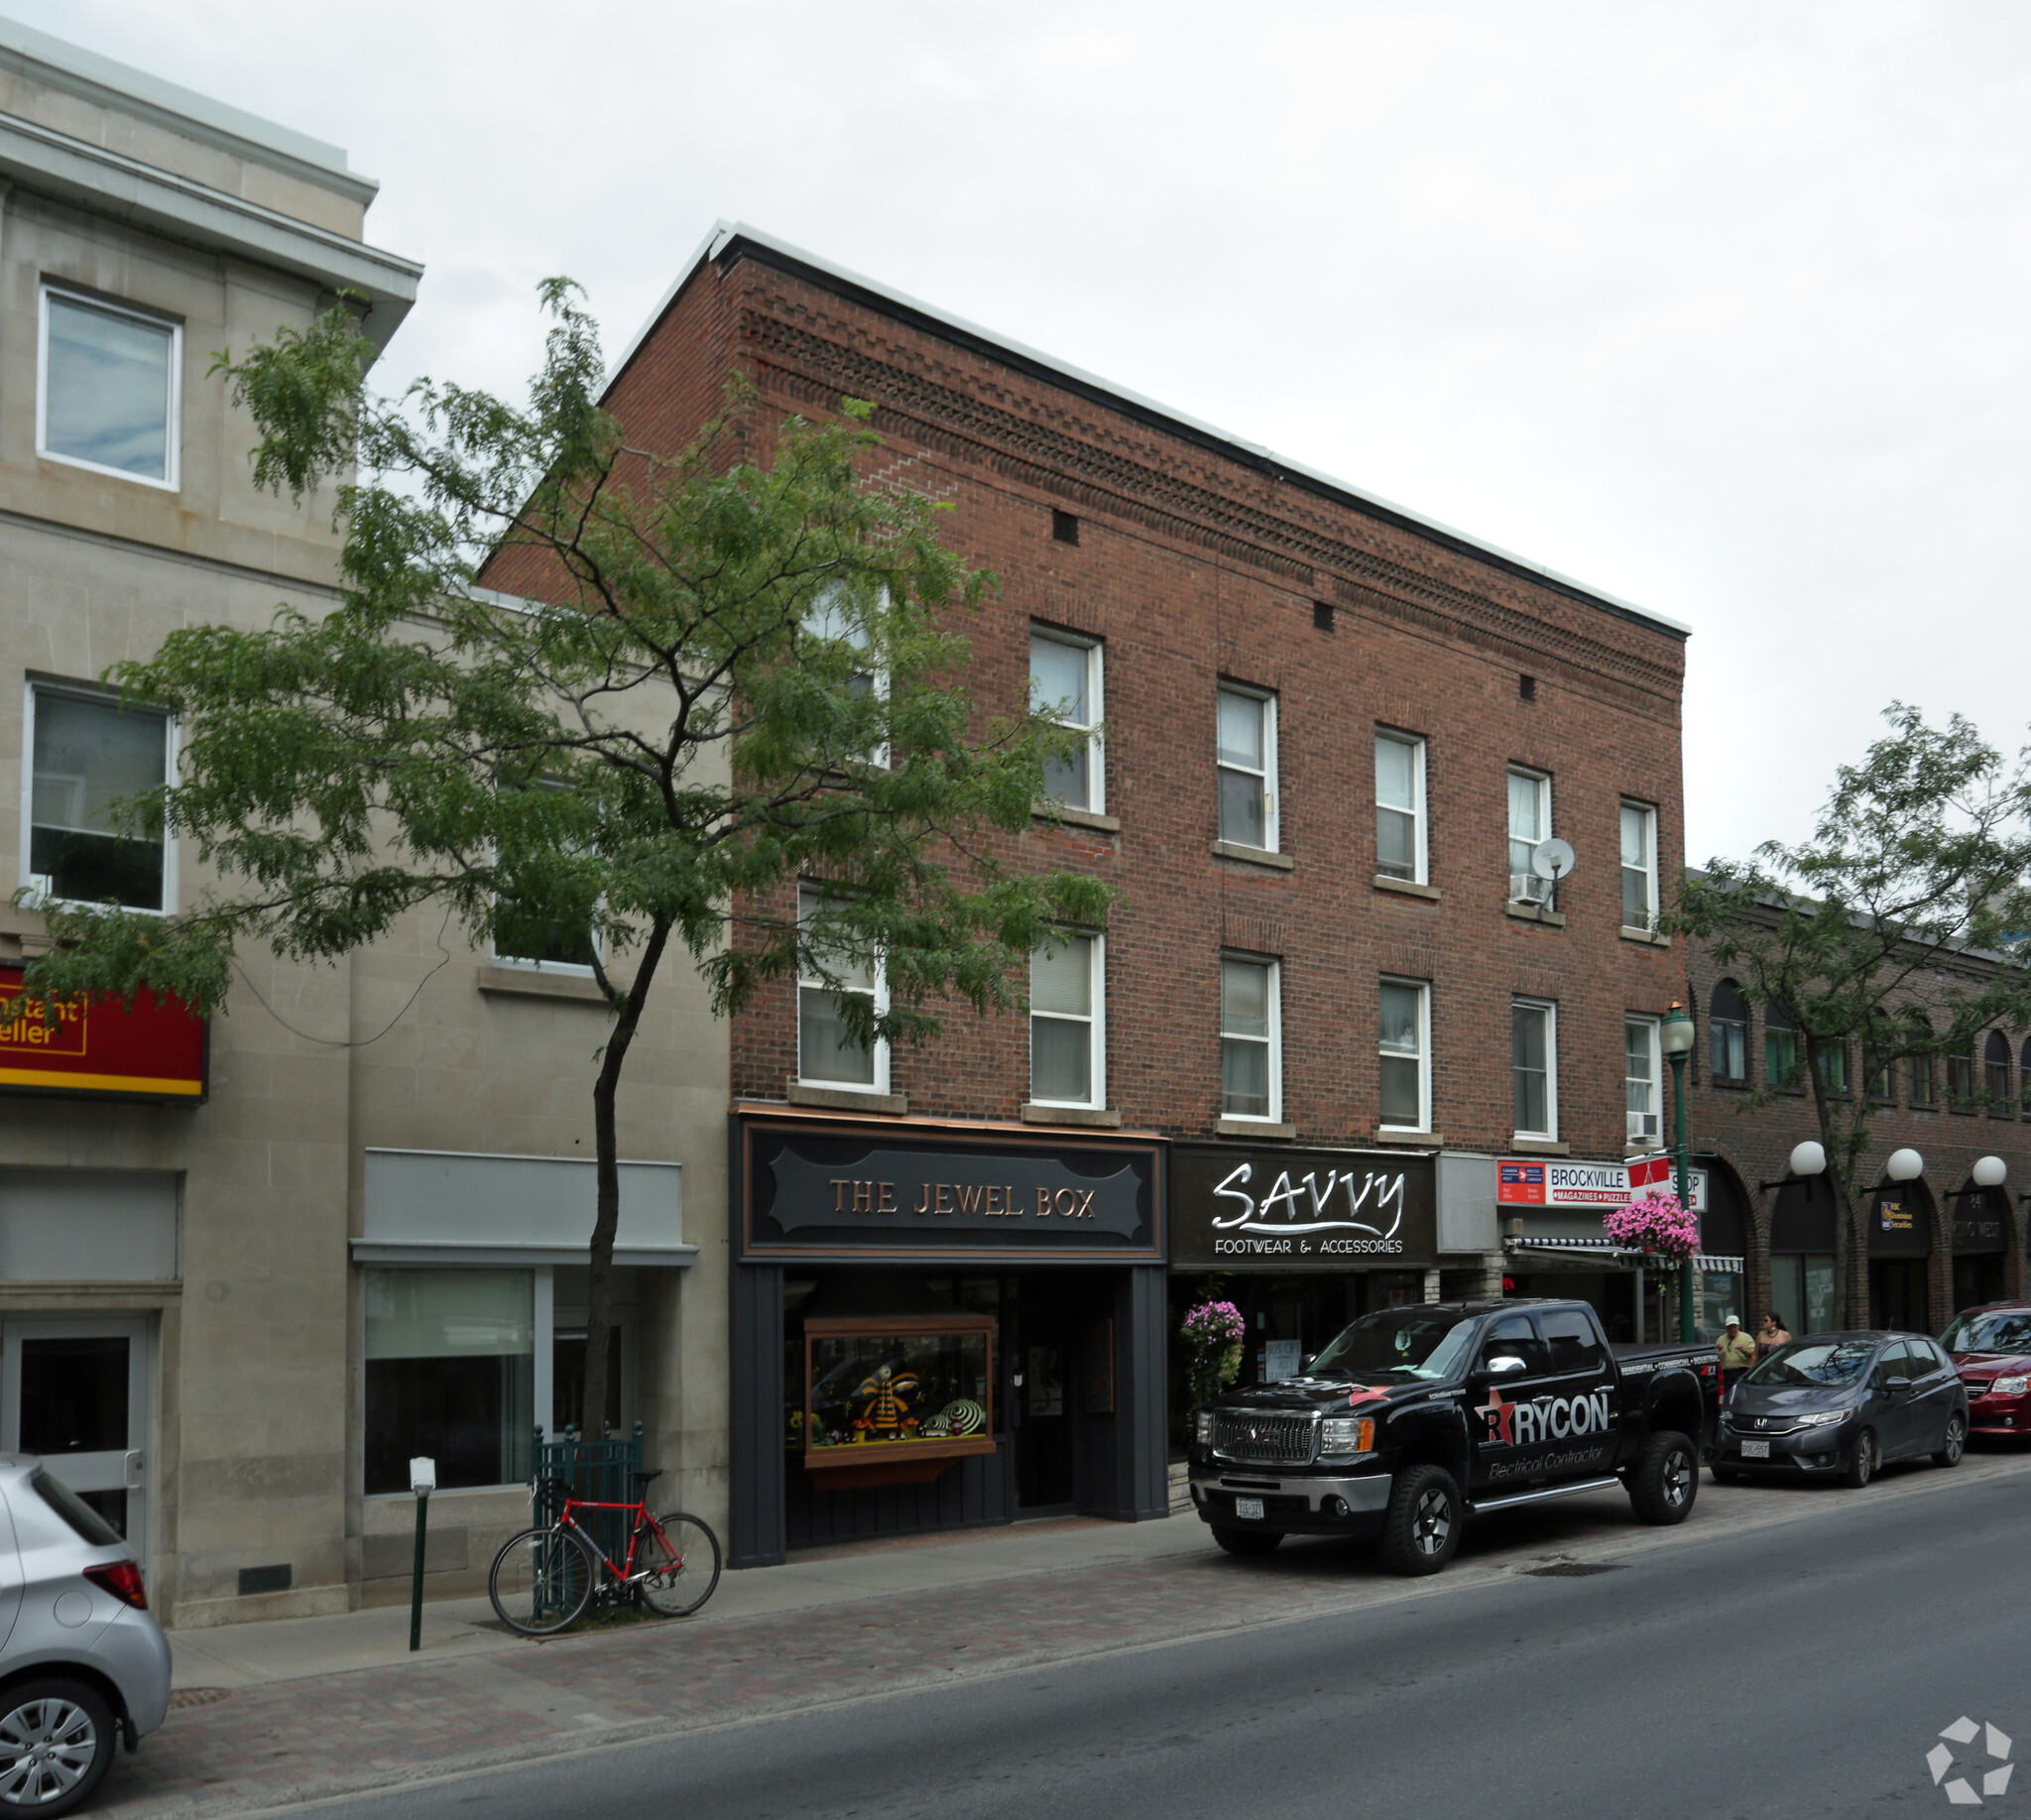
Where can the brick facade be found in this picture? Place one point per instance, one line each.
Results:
(1199, 560)
(1749, 1146)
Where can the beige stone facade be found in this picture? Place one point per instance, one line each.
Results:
(223, 1250)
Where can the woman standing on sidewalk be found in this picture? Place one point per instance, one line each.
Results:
(1771, 1335)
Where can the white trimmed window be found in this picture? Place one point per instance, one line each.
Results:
(1639, 867)
(1251, 1039)
(1534, 1066)
(1644, 1072)
(86, 752)
(1067, 1022)
(1247, 766)
(552, 947)
(106, 388)
(1406, 1048)
(829, 1055)
(1530, 824)
(1065, 684)
(1399, 807)
(833, 617)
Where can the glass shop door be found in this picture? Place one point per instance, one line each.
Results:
(74, 1392)
(1041, 1406)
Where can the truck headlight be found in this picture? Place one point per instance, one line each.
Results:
(2011, 1387)
(1202, 1428)
(1347, 1434)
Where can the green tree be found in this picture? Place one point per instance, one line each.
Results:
(718, 677)
(1909, 902)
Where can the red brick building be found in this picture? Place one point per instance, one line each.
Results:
(1922, 1249)
(1335, 736)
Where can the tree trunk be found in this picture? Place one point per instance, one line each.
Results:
(607, 1162)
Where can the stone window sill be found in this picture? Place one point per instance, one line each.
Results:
(1077, 818)
(1406, 888)
(1251, 1127)
(527, 983)
(1035, 1113)
(1254, 856)
(1650, 938)
(1540, 1147)
(844, 1099)
(1536, 912)
(1415, 1140)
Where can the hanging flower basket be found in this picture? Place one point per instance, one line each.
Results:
(1658, 1224)
(1213, 1333)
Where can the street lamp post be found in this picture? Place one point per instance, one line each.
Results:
(1675, 1037)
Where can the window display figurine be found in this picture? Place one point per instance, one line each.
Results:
(888, 1395)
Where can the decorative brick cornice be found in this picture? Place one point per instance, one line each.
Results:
(818, 360)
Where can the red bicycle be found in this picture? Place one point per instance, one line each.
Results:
(545, 1578)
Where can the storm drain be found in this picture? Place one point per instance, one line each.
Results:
(1573, 1570)
(197, 1696)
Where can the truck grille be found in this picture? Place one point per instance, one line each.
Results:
(1268, 1440)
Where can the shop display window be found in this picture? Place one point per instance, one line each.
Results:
(894, 1401)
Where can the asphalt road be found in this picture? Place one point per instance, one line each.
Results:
(1801, 1670)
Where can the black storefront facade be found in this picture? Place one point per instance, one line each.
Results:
(940, 1325)
(1301, 1241)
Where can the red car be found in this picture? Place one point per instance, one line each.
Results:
(1992, 1350)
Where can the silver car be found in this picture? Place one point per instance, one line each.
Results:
(83, 1661)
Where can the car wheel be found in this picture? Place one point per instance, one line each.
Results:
(1863, 1462)
(1955, 1443)
(56, 1744)
(1246, 1542)
(1666, 1479)
(1421, 1530)
(1725, 1475)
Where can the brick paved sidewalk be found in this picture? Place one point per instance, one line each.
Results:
(303, 1740)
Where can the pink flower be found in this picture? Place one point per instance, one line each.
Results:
(1660, 1221)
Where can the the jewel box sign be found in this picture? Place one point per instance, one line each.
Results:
(101, 1048)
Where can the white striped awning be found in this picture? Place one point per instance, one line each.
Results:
(1609, 1252)
(1720, 1266)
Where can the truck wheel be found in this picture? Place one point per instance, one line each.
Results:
(1246, 1542)
(1863, 1462)
(1422, 1527)
(1665, 1480)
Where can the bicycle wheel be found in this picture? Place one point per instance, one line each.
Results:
(540, 1581)
(679, 1573)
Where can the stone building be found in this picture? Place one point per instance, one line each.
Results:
(246, 1273)
(1329, 742)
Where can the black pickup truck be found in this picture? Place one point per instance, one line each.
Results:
(1416, 1418)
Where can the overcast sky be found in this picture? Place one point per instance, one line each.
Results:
(1720, 308)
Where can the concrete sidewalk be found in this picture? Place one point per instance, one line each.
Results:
(246, 1655)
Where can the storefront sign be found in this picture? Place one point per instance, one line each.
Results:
(99, 1048)
(1530, 1181)
(1306, 1210)
(844, 1189)
(1982, 1221)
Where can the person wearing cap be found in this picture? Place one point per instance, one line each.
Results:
(1737, 1352)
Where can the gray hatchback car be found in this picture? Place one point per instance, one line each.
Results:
(83, 1664)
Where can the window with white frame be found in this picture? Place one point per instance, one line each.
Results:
(1067, 1028)
(1406, 1077)
(1247, 767)
(1065, 684)
(828, 1054)
(86, 753)
(528, 938)
(1250, 1065)
(1534, 1066)
(1639, 865)
(834, 617)
(1643, 1071)
(1399, 807)
(1530, 824)
(106, 388)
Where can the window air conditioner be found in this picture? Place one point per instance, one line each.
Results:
(1642, 1126)
(1528, 887)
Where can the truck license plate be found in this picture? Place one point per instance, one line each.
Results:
(1253, 1507)
(1756, 1450)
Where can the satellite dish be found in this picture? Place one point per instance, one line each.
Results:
(1552, 859)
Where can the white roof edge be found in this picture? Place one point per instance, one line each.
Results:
(107, 81)
(724, 232)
